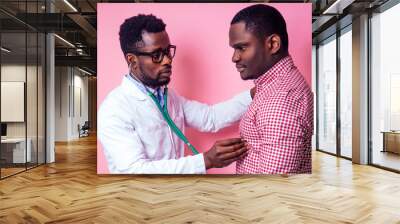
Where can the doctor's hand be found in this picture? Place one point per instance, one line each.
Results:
(253, 92)
(224, 152)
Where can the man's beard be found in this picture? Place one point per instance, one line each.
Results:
(152, 82)
(146, 80)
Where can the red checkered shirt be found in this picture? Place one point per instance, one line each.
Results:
(278, 124)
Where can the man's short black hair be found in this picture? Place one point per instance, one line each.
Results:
(262, 21)
(130, 32)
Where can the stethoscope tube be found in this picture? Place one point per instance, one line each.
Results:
(165, 114)
(168, 119)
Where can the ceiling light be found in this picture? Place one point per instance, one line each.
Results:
(331, 7)
(338, 6)
(65, 41)
(84, 71)
(70, 5)
(5, 50)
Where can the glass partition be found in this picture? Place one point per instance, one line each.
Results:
(327, 95)
(22, 77)
(13, 103)
(385, 89)
(346, 93)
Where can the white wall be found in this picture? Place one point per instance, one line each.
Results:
(61, 103)
(16, 72)
(71, 94)
(33, 127)
(80, 110)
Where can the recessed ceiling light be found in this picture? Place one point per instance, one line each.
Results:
(337, 7)
(84, 71)
(70, 5)
(5, 50)
(64, 40)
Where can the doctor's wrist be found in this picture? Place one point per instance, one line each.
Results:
(207, 161)
(252, 92)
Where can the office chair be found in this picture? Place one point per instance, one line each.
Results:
(84, 130)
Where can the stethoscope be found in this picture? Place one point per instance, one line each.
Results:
(165, 114)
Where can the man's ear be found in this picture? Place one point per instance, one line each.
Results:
(131, 59)
(274, 43)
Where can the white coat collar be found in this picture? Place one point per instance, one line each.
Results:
(132, 89)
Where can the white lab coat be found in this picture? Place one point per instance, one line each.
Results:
(136, 138)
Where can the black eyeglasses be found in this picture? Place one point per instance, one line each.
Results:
(158, 55)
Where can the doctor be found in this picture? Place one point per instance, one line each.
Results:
(141, 122)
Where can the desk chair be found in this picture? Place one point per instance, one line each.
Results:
(84, 130)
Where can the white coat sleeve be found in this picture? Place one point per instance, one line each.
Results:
(126, 154)
(208, 118)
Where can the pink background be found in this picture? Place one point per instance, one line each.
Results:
(202, 67)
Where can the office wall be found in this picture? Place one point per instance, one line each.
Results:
(33, 126)
(61, 103)
(92, 109)
(12, 98)
(80, 109)
(16, 72)
(71, 102)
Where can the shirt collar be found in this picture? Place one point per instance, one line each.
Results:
(280, 68)
(137, 88)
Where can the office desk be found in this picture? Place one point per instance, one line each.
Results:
(391, 141)
(16, 147)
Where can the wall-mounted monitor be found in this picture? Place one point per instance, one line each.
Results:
(12, 101)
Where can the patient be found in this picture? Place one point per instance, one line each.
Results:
(278, 124)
